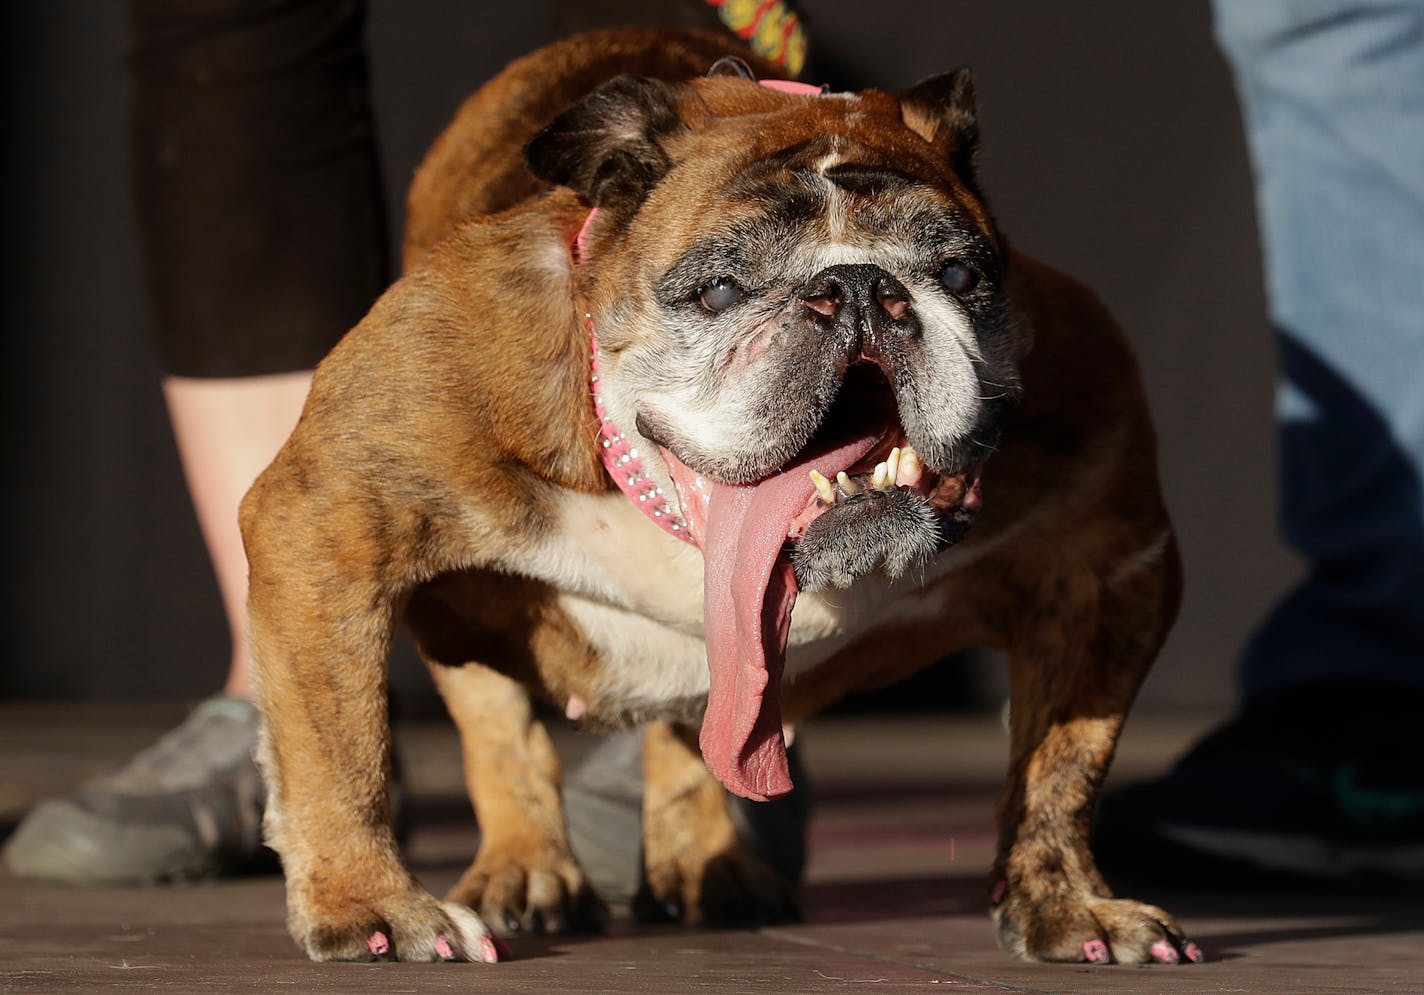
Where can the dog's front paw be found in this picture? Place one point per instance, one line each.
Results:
(522, 895)
(732, 888)
(413, 926)
(892, 529)
(1091, 929)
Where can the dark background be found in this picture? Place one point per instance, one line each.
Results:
(1112, 148)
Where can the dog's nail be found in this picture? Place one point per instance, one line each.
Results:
(576, 708)
(501, 949)
(910, 467)
(443, 948)
(489, 950)
(824, 490)
(1096, 951)
(1001, 888)
(1164, 953)
(1193, 953)
(378, 944)
(847, 486)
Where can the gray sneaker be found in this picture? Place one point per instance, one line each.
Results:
(189, 806)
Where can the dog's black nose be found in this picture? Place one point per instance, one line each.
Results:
(866, 292)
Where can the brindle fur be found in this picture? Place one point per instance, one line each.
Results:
(428, 468)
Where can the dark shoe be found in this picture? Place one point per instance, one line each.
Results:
(188, 806)
(1324, 783)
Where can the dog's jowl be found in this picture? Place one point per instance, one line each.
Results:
(673, 419)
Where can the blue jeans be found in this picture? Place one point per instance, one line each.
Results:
(1332, 92)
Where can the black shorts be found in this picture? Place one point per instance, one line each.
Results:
(256, 182)
(257, 185)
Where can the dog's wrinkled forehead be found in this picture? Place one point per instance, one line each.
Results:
(817, 202)
(808, 170)
(837, 171)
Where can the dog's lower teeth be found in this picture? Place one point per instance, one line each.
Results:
(848, 487)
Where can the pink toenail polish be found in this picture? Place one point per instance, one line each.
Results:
(1096, 951)
(489, 952)
(1164, 952)
(443, 948)
(377, 943)
(502, 948)
(1194, 953)
(1001, 888)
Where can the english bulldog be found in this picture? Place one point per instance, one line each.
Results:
(725, 398)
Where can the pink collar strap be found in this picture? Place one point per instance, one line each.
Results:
(625, 464)
(622, 459)
(791, 86)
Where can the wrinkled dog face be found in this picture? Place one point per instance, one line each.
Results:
(827, 262)
(797, 275)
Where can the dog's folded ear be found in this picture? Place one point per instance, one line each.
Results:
(941, 110)
(608, 147)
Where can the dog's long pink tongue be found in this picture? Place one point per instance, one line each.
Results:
(749, 590)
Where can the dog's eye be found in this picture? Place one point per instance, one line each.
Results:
(958, 277)
(721, 294)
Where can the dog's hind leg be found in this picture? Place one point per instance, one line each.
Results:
(524, 878)
(695, 868)
(1076, 662)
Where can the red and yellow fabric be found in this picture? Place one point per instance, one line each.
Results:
(770, 27)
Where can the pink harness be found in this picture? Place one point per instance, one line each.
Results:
(620, 457)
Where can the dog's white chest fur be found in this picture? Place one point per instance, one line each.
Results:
(636, 594)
